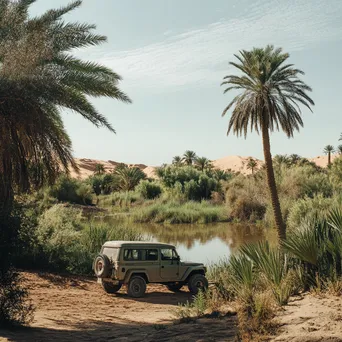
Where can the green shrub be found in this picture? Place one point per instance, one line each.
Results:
(308, 208)
(149, 190)
(71, 190)
(194, 184)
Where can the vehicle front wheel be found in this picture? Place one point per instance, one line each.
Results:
(110, 287)
(136, 287)
(174, 287)
(197, 282)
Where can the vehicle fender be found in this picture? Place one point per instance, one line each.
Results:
(191, 270)
(129, 274)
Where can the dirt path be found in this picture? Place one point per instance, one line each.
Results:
(77, 309)
(312, 319)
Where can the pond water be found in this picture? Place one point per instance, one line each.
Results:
(205, 243)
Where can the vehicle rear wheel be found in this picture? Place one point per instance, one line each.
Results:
(136, 287)
(197, 282)
(110, 287)
(175, 287)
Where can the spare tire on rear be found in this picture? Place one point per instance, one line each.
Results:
(102, 266)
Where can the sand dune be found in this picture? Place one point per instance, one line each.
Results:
(233, 163)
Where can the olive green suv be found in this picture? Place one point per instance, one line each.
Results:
(136, 264)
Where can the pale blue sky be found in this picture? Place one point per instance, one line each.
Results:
(173, 55)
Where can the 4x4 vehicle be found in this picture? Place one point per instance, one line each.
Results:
(137, 263)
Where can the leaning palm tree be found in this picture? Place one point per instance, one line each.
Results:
(329, 149)
(339, 149)
(268, 101)
(202, 163)
(189, 157)
(252, 164)
(177, 160)
(39, 76)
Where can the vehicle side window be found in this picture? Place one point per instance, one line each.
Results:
(168, 254)
(133, 254)
(152, 254)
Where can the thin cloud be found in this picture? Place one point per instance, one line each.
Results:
(200, 55)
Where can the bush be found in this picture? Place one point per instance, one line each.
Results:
(194, 184)
(15, 306)
(149, 190)
(308, 208)
(71, 190)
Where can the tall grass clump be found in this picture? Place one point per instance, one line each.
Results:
(175, 212)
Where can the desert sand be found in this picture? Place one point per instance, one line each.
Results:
(77, 309)
(232, 163)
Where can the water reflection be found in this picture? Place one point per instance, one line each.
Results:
(205, 243)
(198, 242)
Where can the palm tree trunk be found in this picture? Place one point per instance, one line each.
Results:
(272, 184)
(329, 159)
(6, 205)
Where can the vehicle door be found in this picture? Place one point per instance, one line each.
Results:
(169, 264)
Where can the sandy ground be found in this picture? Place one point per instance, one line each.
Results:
(77, 309)
(311, 319)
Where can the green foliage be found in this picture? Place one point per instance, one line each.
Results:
(308, 208)
(15, 306)
(149, 190)
(129, 177)
(121, 199)
(175, 212)
(194, 184)
(71, 190)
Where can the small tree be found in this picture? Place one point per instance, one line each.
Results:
(177, 160)
(329, 149)
(202, 163)
(99, 169)
(252, 164)
(339, 149)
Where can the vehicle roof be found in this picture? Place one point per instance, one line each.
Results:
(118, 244)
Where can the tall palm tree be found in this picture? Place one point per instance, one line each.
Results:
(270, 91)
(189, 157)
(39, 76)
(177, 160)
(329, 149)
(251, 164)
(340, 137)
(339, 149)
(202, 163)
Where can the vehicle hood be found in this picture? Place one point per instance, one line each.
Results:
(189, 263)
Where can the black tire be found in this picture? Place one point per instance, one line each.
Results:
(174, 287)
(197, 282)
(110, 287)
(102, 266)
(136, 287)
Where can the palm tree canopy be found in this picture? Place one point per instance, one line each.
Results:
(339, 149)
(251, 163)
(271, 93)
(202, 163)
(189, 157)
(329, 149)
(38, 76)
(177, 160)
